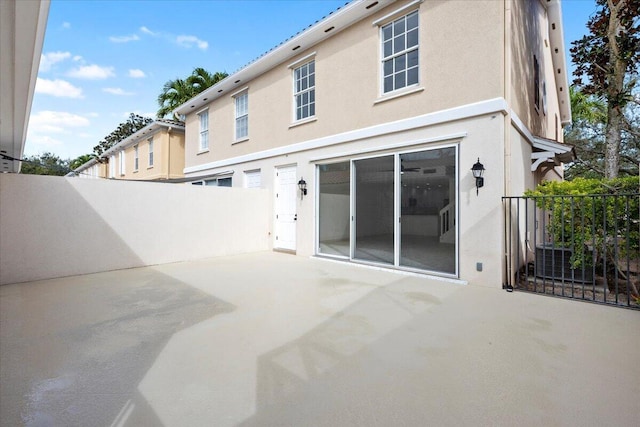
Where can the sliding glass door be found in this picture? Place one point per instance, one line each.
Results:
(374, 209)
(397, 209)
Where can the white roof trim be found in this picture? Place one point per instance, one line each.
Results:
(346, 16)
(556, 36)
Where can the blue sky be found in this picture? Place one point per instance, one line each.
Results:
(102, 60)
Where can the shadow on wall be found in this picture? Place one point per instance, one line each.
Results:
(54, 227)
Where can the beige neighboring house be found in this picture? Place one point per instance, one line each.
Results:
(154, 153)
(382, 108)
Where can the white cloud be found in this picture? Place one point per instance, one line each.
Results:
(55, 121)
(66, 25)
(124, 39)
(59, 88)
(148, 31)
(117, 91)
(92, 114)
(137, 74)
(190, 41)
(92, 72)
(77, 58)
(44, 140)
(47, 60)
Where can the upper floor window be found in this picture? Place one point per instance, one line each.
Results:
(305, 90)
(122, 167)
(204, 130)
(112, 166)
(400, 53)
(135, 157)
(242, 116)
(150, 152)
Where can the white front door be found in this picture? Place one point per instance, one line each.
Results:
(285, 208)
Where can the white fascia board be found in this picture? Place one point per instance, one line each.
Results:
(491, 106)
(556, 36)
(86, 165)
(147, 131)
(339, 20)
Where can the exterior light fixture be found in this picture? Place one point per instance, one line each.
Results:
(302, 185)
(478, 170)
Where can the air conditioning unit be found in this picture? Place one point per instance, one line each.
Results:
(554, 262)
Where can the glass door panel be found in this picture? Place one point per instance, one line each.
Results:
(427, 209)
(333, 207)
(374, 209)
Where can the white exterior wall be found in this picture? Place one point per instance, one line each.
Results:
(55, 227)
(478, 131)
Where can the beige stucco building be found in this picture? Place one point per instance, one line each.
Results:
(155, 152)
(382, 108)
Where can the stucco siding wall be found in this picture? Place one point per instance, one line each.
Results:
(461, 62)
(55, 227)
(530, 36)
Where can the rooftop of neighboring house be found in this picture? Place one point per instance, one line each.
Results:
(151, 128)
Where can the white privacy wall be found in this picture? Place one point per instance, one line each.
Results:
(56, 227)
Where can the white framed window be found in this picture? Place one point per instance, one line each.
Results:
(150, 152)
(112, 166)
(242, 115)
(204, 130)
(215, 182)
(136, 159)
(122, 165)
(400, 53)
(304, 90)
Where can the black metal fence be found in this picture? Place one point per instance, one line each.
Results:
(581, 247)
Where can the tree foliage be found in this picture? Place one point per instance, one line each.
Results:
(45, 164)
(606, 66)
(177, 92)
(81, 160)
(125, 129)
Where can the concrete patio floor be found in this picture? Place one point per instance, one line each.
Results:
(272, 339)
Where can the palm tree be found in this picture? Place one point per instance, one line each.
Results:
(177, 92)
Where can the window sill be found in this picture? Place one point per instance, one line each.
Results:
(395, 95)
(150, 167)
(238, 141)
(303, 122)
(202, 152)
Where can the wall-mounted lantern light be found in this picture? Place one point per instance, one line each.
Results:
(478, 171)
(302, 185)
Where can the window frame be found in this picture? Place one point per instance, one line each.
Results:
(401, 53)
(150, 158)
(123, 169)
(243, 117)
(136, 157)
(310, 90)
(203, 135)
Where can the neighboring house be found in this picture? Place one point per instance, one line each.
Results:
(155, 152)
(382, 108)
(92, 169)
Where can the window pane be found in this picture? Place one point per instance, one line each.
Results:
(333, 209)
(388, 49)
(305, 98)
(387, 32)
(388, 84)
(388, 67)
(412, 21)
(400, 63)
(412, 38)
(412, 58)
(412, 76)
(312, 67)
(398, 26)
(312, 110)
(398, 43)
(399, 80)
(312, 96)
(312, 80)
